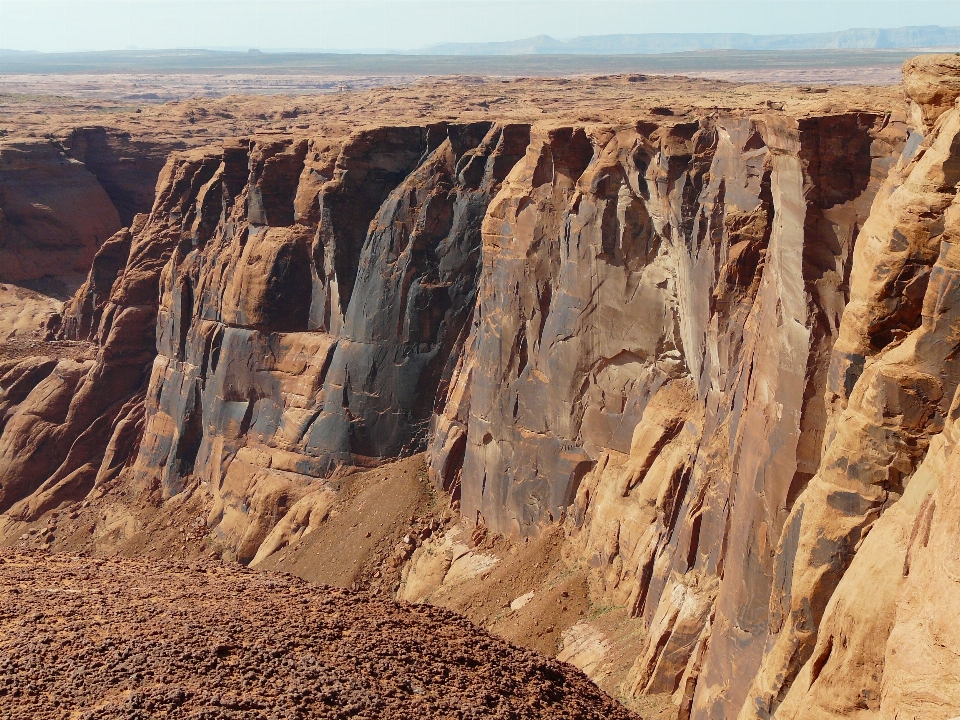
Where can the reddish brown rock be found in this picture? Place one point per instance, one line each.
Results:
(351, 273)
(287, 648)
(719, 349)
(596, 255)
(53, 212)
(932, 83)
(125, 164)
(54, 441)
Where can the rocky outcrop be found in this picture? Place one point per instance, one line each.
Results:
(310, 326)
(676, 426)
(932, 83)
(53, 212)
(890, 388)
(71, 425)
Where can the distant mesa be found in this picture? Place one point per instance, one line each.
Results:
(930, 36)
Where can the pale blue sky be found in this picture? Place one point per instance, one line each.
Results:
(63, 25)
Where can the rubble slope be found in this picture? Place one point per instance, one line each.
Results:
(85, 638)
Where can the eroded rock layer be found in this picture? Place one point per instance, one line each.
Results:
(716, 353)
(650, 356)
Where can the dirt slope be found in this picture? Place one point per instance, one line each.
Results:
(363, 537)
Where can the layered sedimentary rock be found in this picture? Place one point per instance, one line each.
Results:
(313, 327)
(891, 387)
(53, 212)
(69, 425)
(720, 350)
(655, 320)
(61, 198)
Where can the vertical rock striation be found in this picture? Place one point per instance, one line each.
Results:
(655, 318)
(890, 389)
(76, 424)
(312, 324)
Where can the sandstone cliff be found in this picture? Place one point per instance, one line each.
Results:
(650, 357)
(716, 352)
(53, 212)
(68, 424)
(61, 197)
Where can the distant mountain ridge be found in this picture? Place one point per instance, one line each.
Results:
(930, 36)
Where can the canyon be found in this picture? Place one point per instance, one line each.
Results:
(654, 375)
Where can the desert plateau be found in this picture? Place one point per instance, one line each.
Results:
(537, 387)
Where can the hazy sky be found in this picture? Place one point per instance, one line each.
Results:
(62, 25)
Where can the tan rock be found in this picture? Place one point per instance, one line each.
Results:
(895, 357)
(932, 82)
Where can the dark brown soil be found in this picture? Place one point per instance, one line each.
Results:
(93, 638)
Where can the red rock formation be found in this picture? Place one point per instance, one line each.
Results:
(891, 388)
(314, 327)
(597, 254)
(74, 425)
(53, 212)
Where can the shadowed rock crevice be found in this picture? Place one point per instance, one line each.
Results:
(415, 290)
(126, 167)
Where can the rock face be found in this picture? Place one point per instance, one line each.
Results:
(720, 351)
(867, 513)
(53, 212)
(313, 326)
(676, 427)
(68, 424)
(932, 83)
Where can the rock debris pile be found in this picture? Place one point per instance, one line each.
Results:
(88, 638)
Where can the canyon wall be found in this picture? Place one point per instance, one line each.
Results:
(53, 212)
(649, 360)
(60, 199)
(718, 352)
(68, 425)
(125, 166)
